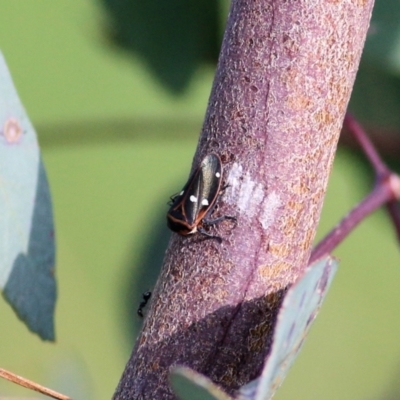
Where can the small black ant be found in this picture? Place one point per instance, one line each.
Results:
(146, 297)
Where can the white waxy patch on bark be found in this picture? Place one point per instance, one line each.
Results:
(245, 194)
(257, 197)
(269, 206)
(251, 197)
(233, 182)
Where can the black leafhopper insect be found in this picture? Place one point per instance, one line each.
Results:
(146, 297)
(191, 207)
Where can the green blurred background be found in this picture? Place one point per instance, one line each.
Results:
(117, 138)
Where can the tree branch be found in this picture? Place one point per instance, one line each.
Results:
(280, 93)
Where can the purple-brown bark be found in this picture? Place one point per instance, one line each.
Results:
(282, 86)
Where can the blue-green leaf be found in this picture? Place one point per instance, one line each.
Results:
(27, 254)
(299, 309)
(190, 385)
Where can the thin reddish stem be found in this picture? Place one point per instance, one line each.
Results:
(386, 191)
(381, 194)
(359, 134)
(394, 212)
(393, 206)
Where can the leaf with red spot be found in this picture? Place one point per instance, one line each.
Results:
(27, 250)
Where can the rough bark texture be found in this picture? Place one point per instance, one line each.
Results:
(282, 86)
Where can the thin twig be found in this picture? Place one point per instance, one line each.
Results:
(386, 191)
(379, 196)
(393, 206)
(367, 146)
(31, 385)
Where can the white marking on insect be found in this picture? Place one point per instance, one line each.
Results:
(193, 199)
(205, 202)
(218, 175)
(181, 193)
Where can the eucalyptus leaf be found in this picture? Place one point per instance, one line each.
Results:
(27, 251)
(190, 385)
(299, 309)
